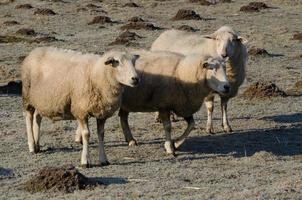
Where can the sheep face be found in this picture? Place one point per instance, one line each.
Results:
(124, 65)
(226, 43)
(216, 75)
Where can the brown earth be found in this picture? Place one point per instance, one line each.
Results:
(184, 14)
(65, 179)
(261, 90)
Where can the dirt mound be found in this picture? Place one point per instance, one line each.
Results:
(297, 36)
(184, 14)
(131, 4)
(254, 7)
(24, 6)
(12, 87)
(10, 23)
(263, 90)
(263, 156)
(44, 11)
(125, 38)
(101, 20)
(139, 26)
(259, 5)
(296, 90)
(26, 31)
(187, 28)
(258, 51)
(66, 179)
(136, 19)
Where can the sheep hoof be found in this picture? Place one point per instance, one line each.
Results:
(210, 131)
(84, 166)
(132, 143)
(106, 163)
(37, 149)
(228, 129)
(176, 144)
(171, 154)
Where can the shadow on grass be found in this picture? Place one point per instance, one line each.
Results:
(282, 141)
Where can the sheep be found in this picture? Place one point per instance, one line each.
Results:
(67, 85)
(224, 42)
(172, 82)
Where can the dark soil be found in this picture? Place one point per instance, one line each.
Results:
(261, 90)
(254, 7)
(184, 14)
(136, 19)
(101, 20)
(249, 9)
(11, 23)
(125, 38)
(297, 36)
(66, 179)
(44, 11)
(12, 87)
(131, 4)
(26, 31)
(258, 51)
(24, 6)
(139, 26)
(187, 28)
(259, 5)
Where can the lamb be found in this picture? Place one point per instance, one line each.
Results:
(172, 82)
(67, 85)
(224, 42)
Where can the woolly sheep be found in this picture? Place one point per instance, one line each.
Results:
(224, 42)
(63, 84)
(172, 82)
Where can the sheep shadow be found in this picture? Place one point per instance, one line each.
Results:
(281, 141)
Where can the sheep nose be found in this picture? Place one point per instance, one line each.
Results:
(224, 55)
(135, 80)
(226, 88)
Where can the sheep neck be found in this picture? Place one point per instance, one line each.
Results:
(235, 68)
(193, 83)
(105, 91)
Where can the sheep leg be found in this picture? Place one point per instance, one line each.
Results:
(225, 122)
(165, 118)
(209, 102)
(102, 155)
(36, 130)
(29, 131)
(78, 136)
(126, 129)
(191, 123)
(85, 160)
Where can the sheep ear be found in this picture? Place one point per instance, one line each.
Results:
(242, 40)
(205, 65)
(135, 57)
(111, 61)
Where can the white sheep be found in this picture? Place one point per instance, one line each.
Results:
(172, 82)
(63, 84)
(224, 42)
